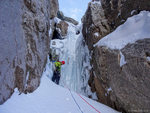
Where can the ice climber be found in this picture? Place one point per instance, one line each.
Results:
(57, 69)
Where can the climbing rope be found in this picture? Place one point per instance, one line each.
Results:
(88, 103)
(76, 102)
(72, 95)
(80, 97)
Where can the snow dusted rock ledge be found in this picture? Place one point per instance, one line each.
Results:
(122, 63)
(135, 28)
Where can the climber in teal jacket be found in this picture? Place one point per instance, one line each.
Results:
(57, 69)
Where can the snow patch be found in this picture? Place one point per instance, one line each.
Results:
(148, 58)
(92, 25)
(109, 89)
(94, 96)
(57, 20)
(58, 29)
(118, 15)
(96, 34)
(16, 91)
(51, 30)
(122, 20)
(122, 59)
(96, 2)
(27, 77)
(132, 12)
(94, 73)
(86, 30)
(135, 28)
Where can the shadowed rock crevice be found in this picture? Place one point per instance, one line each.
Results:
(56, 35)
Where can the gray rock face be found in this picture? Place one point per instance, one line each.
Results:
(95, 24)
(24, 44)
(54, 7)
(129, 83)
(61, 16)
(124, 88)
(62, 28)
(117, 11)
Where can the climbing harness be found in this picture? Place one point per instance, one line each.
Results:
(80, 97)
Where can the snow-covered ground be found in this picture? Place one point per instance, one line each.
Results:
(51, 98)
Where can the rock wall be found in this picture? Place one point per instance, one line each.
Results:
(95, 24)
(62, 28)
(24, 43)
(54, 7)
(124, 88)
(117, 11)
(61, 16)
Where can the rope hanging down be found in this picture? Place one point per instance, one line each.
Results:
(80, 97)
(76, 102)
(72, 96)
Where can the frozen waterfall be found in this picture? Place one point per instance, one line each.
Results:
(75, 53)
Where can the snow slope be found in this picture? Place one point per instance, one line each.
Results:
(50, 98)
(135, 28)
